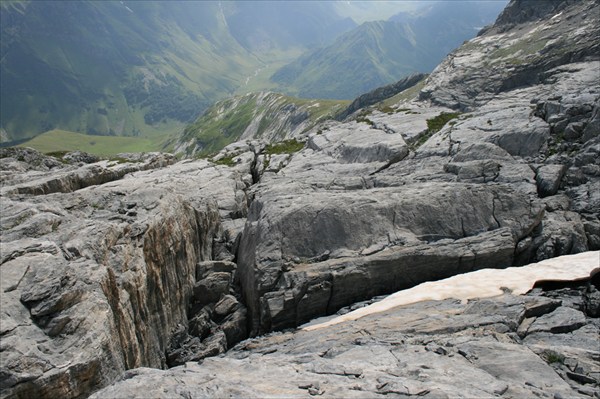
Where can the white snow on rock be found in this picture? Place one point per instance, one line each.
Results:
(484, 283)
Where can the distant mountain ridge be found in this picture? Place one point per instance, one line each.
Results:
(378, 53)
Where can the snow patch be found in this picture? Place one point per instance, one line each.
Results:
(484, 283)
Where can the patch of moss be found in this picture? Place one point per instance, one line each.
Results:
(553, 357)
(419, 141)
(365, 120)
(436, 124)
(121, 160)
(57, 154)
(284, 147)
(386, 109)
(227, 161)
(407, 111)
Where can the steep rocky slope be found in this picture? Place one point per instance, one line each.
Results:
(148, 262)
(521, 49)
(379, 52)
(264, 115)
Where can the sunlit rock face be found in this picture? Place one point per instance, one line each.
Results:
(97, 278)
(149, 262)
(495, 163)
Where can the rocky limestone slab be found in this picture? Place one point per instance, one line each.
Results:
(430, 348)
(96, 280)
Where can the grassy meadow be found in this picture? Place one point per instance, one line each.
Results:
(62, 140)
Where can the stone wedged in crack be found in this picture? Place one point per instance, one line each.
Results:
(548, 178)
(216, 319)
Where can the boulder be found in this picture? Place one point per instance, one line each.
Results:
(562, 320)
(548, 178)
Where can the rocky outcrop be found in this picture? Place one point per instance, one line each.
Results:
(111, 266)
(528, 40)
(265, 115)
(359, 193)
(88, 171)
(542, 344)
(381, 93)
(523, 11)
(98, 280)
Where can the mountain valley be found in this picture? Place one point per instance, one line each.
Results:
(141, 68)
(148, 69)
(255, 261)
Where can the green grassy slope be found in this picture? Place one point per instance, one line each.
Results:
(270, 115)
(61, 140)
(110, 68)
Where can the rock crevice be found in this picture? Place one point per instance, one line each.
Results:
(152, 263)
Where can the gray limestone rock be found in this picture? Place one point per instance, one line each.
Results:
(548, 178)
(435, 348)
(560, 321)
(212, 288)
(113, 266)
(95, 280)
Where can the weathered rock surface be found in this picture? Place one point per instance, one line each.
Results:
(391, 185)
(527, 41)
(98, 280)
(432, 349)
(148, 262)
